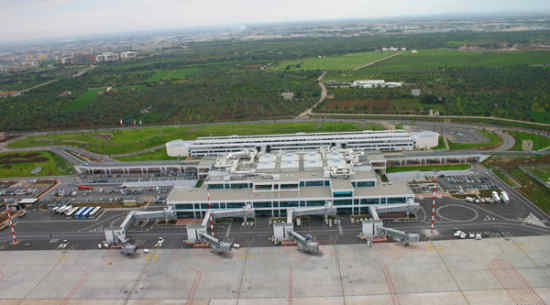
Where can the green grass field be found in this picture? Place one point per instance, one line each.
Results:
(22, 164)
(494, 141)
(132, 140)
(536, 192)
(157, 155)
(542, 171)
(440, 144)
(170, 74)
(440, 58)
(500, 173)
(83, 100)
(89, 96)
(539, 142)
(342, 62)
(428, 168)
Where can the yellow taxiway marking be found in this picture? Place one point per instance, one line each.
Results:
(152, 257)
(61, 258)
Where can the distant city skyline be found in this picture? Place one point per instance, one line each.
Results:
(37, 19)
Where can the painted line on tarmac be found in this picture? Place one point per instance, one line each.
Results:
(75, 288)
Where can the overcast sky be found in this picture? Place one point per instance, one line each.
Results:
(31, 19)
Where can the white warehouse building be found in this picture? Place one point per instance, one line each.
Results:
(386, 140)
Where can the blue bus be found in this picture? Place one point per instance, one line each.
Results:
(79, 212)
(86, 212)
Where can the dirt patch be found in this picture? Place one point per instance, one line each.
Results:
(17, 158)
(516, 163)
(105, 136)
(372, 105)
(350, 104)
(7, 138)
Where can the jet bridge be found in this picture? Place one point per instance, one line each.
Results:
(117, 236)
(198, 232)
(375, 226)
(285, 231)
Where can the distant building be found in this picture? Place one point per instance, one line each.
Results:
(107, 57)
(414, 51)
(83, 59)
(9, 93)
(128, 55)
(416, 92)
(403, 49)
(65, 93)
(67, 60)
(425, 139)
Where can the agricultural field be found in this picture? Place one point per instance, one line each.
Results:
(84, 100)
(539, 142)
(505, 84)
(220, 81)
(342, 62)
(33, 164)
(494, 141)
(159, 75)
(88, 97)
(157, 155)
(373, 105)
(426, 60)
(133, 140)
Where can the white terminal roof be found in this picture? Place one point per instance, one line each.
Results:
(180, 194)
(336, 163)
(289, 164)
(267, 157)
(266, 165)
(313, 163)
(312, 156)
(290, 157)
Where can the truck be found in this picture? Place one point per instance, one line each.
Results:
(496, 198)
(85, 187)
(504, 196)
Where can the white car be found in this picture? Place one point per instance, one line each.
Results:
(457, 234)
(462, 235)
(472, 235)
(478, 236)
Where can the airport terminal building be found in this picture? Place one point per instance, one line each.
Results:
(386, 140)
(273, 182)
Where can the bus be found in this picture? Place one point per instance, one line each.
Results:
(70, 212)
(95, 212)
(79, 212)
(62, 209)
(86, 212)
